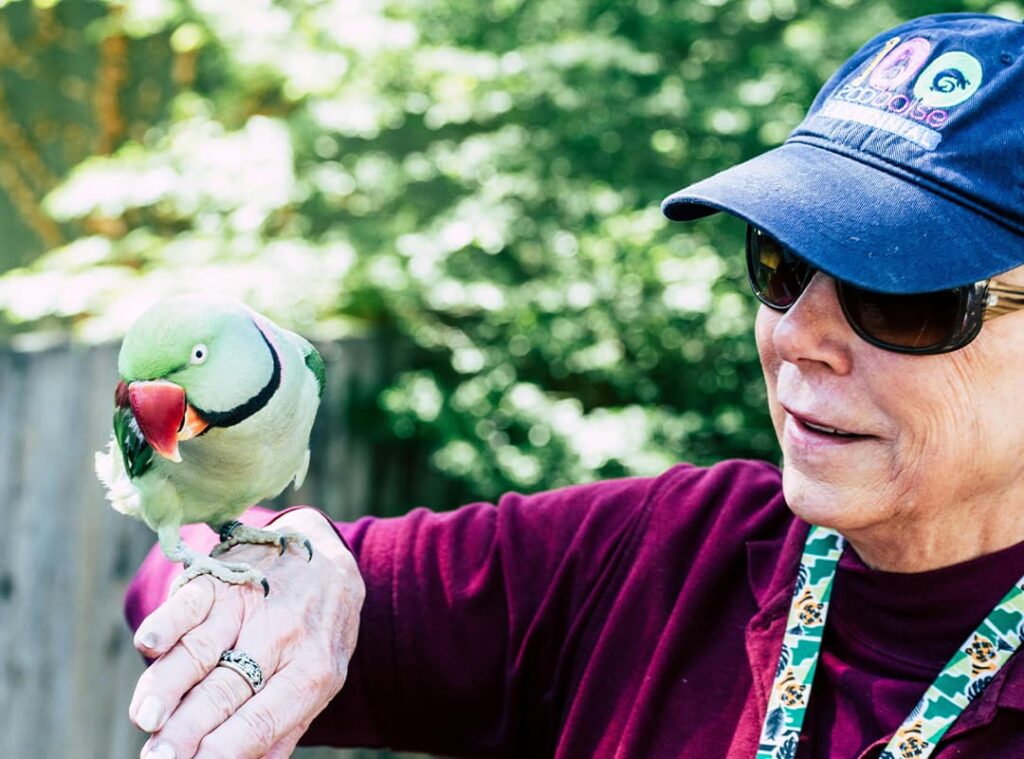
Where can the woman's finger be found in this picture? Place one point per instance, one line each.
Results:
(180, 613)
(208, 704)
(218, 695)
(277, 711)
(169, 678)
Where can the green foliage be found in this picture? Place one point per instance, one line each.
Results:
(480, 180)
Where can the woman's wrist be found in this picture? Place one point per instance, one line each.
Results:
(316, 526)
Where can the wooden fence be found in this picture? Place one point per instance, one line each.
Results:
(67, 666)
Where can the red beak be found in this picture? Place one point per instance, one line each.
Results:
(159, 408)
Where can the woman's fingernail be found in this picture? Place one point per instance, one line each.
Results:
(149, 640)
(160, 751)
(151, 717)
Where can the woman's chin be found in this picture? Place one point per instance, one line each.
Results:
(836, 503)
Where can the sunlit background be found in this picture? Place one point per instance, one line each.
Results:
(469, 187)
(476, 180)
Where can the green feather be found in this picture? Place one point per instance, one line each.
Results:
(315, 362)
(136, 452)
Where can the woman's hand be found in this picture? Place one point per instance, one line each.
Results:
(302, 635)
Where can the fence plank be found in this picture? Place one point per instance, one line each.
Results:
(67, 666)
(11, 678)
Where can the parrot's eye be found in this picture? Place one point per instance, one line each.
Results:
(199, 354)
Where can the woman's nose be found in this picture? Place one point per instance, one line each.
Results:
(814, 329)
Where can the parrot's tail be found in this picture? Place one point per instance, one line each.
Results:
(121, 493)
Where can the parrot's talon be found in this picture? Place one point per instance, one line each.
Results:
(236, 533)
(233, 573)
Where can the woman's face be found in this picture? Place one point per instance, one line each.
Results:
(939, 445)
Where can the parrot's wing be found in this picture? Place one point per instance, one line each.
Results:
(135, 449)
(300, 476)
(314, 361)
(121, 493)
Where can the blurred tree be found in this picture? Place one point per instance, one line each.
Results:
(479, 180)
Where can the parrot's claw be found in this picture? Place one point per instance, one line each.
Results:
(235, 533)
(233, 573)
(284, 539)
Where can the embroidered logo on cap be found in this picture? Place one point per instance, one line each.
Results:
(949, 80)
(901, 64)
(878, 96)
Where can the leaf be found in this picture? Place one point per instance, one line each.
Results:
(801, 579)
(978, 686)
(783, 660)
(788, 749)
(774, 723)
(918, 709)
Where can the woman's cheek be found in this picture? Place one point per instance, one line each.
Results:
(764, 326)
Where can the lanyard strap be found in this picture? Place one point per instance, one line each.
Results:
(801, 645)
(963, 678)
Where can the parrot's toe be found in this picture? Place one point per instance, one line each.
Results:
(234, 573)
(236, 533)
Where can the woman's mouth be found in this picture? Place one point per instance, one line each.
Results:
(827, 430)
(811, 434)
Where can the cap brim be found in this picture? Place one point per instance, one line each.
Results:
(856, 222)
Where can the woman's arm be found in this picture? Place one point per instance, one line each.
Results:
(473, 625)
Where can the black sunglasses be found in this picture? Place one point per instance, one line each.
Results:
(935, 322)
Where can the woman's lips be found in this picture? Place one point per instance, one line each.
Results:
(798, 436)
(810, 433)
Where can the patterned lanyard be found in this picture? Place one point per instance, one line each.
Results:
(965, 676)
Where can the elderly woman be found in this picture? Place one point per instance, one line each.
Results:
(863, 601)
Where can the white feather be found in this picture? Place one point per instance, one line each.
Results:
(121, 493)
(300, 476)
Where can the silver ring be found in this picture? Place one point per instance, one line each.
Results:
(245, 665)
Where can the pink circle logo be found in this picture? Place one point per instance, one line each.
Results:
(901, 64)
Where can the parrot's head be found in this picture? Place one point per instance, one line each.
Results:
(186, 361)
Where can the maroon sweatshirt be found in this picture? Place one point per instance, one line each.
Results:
(636, 618)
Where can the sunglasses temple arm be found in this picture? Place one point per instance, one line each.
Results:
(1003, 300)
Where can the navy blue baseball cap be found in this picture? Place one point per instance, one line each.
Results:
(907, 174)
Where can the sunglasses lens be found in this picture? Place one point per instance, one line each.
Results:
(917, 322)
(776, 275)
(924, 323)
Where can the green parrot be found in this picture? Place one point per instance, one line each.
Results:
(212, 414)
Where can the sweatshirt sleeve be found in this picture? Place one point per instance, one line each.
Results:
(475, 620)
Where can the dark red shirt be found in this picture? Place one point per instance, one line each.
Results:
(636, 618)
